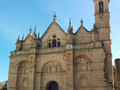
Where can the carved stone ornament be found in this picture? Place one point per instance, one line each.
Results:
(13, 62)
(52, 66)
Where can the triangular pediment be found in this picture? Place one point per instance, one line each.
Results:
(82, 31)
(82, 35)
(28, 39)
(54, 28)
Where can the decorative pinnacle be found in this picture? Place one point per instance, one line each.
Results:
(81, 22)
(23, 37)
(54, 17)
(72, 27)
(69, 23)
(31, 30)
(18, 38)
(39, 35)
(35, 30)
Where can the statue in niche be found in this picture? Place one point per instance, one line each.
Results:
(58, 68)
(31, 69)
(25, 71)
(69, 67)
(83, 81)
(53, 68)
(24, 83)
(38, 61)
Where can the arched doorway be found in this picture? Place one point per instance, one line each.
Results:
(53, 86)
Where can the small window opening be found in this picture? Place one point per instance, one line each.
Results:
(49, 45)
(58, 44)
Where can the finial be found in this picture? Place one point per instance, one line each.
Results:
(38, 35)
(81, 22)
(70, 23)
(23, 37)
(18, 38)
(35, 30)
(54, 17)
(31, 30)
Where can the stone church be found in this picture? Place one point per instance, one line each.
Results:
(60, 60)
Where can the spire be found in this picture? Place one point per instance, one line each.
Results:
(81, 22)
(23, 37)
(39, 35)
(30, 30)
(54, 17)
(70, 29)
(18, 38)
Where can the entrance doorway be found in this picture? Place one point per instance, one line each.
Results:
(53, 86)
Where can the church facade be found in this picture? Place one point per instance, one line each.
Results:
(62, 60)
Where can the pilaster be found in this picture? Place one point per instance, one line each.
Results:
(69, 70)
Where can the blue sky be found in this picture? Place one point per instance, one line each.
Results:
(17, 16)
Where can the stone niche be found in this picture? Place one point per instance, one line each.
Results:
(23, 75)
(82, 63)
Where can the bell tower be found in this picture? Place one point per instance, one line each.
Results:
(102, 18)
(102, 24)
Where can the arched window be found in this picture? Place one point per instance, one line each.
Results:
(49, 45)
(58, 44)
(54, 41)
(101, 7)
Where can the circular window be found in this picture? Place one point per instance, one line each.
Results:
(54, 36)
